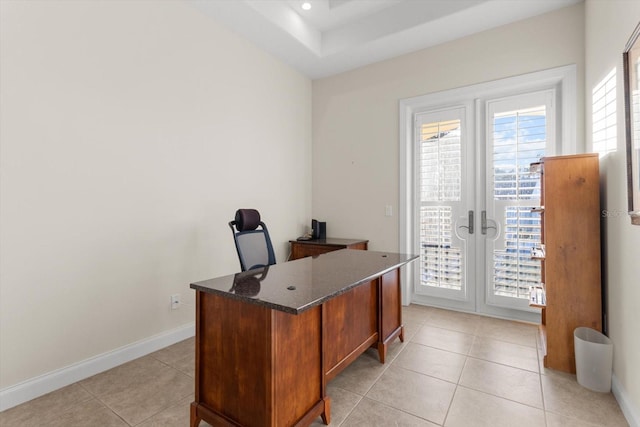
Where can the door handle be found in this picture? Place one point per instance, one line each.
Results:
(483, 223)
(470, 226)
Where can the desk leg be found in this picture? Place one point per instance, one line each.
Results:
(382, 345)
(382, 352)
(389, 311)
(195, 420)
(326, 414)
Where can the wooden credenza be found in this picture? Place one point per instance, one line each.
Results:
(269, 340)
(305, 248)
(570, 214)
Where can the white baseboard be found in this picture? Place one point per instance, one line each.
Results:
(631, 413)
(43, 384)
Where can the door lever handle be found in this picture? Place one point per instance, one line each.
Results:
(483, 223)
(470, 226)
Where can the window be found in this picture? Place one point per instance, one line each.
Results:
(604, 115)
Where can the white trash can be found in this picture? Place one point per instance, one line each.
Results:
(594, 359)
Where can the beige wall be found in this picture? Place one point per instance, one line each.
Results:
(131, 132)
(609, 25)
(355, 114)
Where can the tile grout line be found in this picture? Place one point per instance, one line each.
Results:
(466, 359)
(103, 403)
(544, 405)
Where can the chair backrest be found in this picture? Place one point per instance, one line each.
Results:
(253, 244)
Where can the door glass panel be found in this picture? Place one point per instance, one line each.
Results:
(440, 197)
(441, 263)
(514, 270)
(519, 138)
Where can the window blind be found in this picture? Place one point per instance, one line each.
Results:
(519, 139)
(440, 181)
(604, 115)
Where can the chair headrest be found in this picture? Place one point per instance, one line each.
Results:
(247, 219)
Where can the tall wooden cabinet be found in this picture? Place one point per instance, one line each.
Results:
(570, 254)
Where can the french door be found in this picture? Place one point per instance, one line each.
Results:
(474, 196)
(444, 141)
(520, 131)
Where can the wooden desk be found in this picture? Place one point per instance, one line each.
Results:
(269, 340)
(304, 248)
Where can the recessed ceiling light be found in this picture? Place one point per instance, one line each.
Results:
(306, 5)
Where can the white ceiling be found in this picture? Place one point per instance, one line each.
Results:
(340, 35)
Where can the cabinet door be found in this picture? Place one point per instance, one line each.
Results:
(350, 323)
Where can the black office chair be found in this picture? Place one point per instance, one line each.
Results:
(253, 244)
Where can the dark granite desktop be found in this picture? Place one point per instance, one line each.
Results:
(296, 286)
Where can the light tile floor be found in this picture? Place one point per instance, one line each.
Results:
(454, 369)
